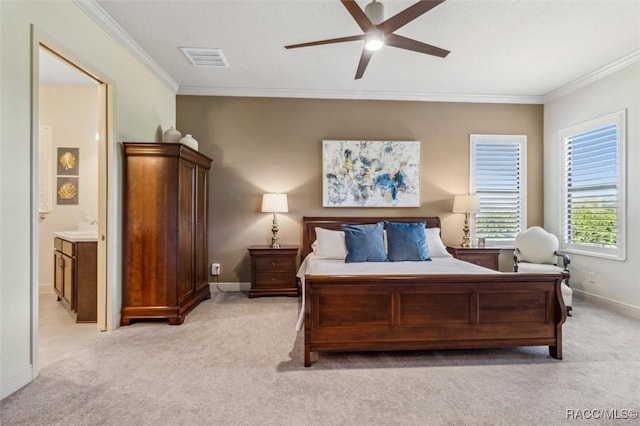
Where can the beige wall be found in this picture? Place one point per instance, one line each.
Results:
(270, 144)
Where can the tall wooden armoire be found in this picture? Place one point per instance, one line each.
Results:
(164, 231)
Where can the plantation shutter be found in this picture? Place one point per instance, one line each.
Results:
(498, 180)
(591, 187)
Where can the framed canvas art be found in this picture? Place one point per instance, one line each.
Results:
(370, 173)
(68, 161)
(67, 190)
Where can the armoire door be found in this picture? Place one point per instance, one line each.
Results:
(186, 229)
(201, 237)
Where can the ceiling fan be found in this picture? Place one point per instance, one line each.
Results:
(378, 33)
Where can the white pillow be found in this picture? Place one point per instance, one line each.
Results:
(435, 246)
(329, 244)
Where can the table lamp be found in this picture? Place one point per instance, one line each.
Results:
(275, 203)
(466, 204)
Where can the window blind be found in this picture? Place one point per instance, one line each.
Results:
(498, 180)
(591, 187)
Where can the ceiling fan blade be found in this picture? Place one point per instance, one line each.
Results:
(329, 41)
(358, 14)
(364, 61)
(401, 42)
(408, 15)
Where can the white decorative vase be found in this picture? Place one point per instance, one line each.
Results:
(171, 135)
(190, 142)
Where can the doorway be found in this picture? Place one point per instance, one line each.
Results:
(70, 118)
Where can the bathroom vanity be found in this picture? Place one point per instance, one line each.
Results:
(75, 277)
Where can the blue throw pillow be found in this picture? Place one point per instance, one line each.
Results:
(365, 243)
(406, 241)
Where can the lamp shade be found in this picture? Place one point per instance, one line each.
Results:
(275, 203)
(466, 203)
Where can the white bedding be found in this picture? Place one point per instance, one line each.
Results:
(449, 265)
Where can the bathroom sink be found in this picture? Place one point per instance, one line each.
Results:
(77, 235)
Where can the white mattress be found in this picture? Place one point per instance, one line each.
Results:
(449, 265)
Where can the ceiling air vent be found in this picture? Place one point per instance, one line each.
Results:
(204, 57)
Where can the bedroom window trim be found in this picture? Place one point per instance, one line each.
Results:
(517, 192)
(614, 188)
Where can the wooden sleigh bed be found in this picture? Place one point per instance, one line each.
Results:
(413, 312)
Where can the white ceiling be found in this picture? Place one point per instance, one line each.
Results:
(510, 50)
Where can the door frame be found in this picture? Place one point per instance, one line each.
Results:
(106, 263)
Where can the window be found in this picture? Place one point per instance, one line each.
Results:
(498, 170)
(593, 189)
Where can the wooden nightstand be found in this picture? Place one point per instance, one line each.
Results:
(483, 256)
(273, 271)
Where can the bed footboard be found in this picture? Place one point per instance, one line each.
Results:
(370, 313)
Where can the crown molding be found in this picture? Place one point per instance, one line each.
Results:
(356, 95)
(104, 21)
(594, 76)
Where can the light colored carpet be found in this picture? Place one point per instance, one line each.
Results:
(238, 361)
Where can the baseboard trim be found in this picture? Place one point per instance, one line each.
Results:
(45, 289)
(231, 286)
(604, 302)
(17, 382)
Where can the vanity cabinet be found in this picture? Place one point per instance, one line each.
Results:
(165, 231)
(75, 277)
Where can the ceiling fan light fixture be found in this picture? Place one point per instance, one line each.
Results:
(374, 40)
(376, 31)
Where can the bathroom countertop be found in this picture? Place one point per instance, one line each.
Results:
(77, 236)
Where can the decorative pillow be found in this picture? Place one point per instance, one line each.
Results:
(365, 243)
(434, 243)
(329, 244)
(407, 241)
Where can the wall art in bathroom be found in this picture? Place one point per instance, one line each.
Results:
(68, 161)
(67, 192)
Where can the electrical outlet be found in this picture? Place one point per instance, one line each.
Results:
(215, 269)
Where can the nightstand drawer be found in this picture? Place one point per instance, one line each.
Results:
(482, 260)
(274, 279)
(487, 257)
(274, 263)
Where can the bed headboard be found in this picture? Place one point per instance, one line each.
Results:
(309, 225)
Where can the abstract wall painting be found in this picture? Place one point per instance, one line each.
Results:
(370, 173)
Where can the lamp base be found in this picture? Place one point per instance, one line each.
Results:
(275, 240)
(466, 239)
